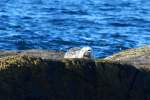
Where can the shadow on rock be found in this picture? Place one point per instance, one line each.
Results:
(30, 78)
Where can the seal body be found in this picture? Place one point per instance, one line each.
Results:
(85, 52)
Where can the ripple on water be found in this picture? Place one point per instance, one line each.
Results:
(107, 26)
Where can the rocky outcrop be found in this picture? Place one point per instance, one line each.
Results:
(44, 54)
(25, 77)
(139, 57)
(30, 78)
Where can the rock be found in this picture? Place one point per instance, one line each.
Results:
(44, 54)
(5, 53)
(32, 78)
(139, 57)
(118, 77)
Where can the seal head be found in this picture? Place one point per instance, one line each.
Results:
(85, 52)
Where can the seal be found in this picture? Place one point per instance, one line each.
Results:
(76, 52)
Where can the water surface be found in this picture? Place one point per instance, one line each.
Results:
(106, 26)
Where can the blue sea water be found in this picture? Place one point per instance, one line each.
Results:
(108, 26)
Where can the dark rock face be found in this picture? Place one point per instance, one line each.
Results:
(27, 78)
(30, 78)
(122, 82)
